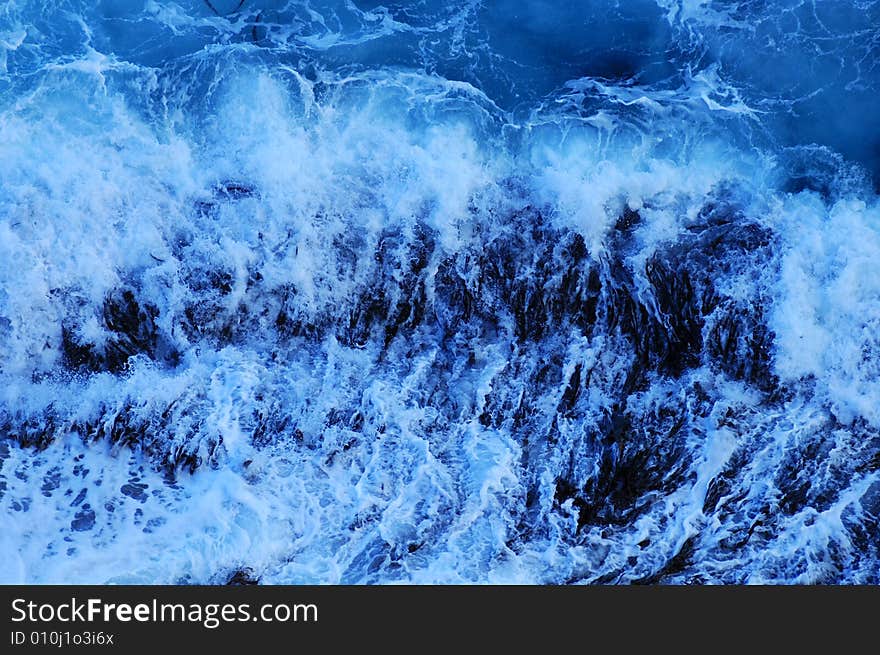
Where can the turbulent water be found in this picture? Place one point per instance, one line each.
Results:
(325, 291)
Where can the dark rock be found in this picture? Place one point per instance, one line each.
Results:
(133, 331)
(81, 496)
(134, 490)
(676, 564)
(242, 577)
(83, 520)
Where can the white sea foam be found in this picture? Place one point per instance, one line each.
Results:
(319, 459)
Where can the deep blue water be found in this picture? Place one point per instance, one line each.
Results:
(364, 292)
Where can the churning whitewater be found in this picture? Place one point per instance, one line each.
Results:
(344, 291)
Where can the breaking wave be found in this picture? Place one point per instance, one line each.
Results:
(360, 292)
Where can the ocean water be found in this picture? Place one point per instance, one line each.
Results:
(353, 291)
